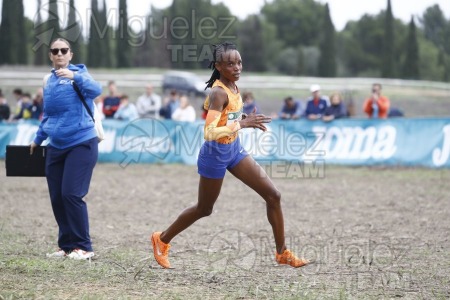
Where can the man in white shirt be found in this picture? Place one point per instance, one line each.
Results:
(148, 104)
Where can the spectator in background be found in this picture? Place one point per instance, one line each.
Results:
(185, 112)
(377, 106)
(23, 105)
(149, 104)
(395, 112)
(316, 105)
(127, 111)
(4, 108)
(111, 102)
(291, 109)
(17, 94)
(336, 110)
(249, 104)
(37, 105)
(171, 103)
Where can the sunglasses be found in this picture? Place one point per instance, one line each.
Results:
(55, 51)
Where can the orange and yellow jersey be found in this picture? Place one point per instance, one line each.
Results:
(223, 126)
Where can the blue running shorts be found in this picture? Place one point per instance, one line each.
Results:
(215, 158)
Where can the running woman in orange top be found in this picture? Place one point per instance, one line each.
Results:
(222, 151)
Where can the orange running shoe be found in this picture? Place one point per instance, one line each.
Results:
(160, 250)
(289, 258)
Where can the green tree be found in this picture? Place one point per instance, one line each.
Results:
(434, 24)
(327, 62)
(297, 21)
(95, 30)
(388, 62)
(360, 45)
(13, 36)
(153, 52)
(105, 41)
(123, 52)
(411, 63)
(22, 35)
(73, 33)
(291, 61)
(53, 20)
(5, 33)
(444, 63)
(40, 55)
(195, 25)
(252, 45)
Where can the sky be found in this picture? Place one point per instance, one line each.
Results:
(341, 11)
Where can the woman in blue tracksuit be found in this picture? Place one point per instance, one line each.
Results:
(72, 150)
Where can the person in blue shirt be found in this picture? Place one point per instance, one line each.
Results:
(37, 105)
(249, 104)
(72, 149)
(291, 109)
(23, 105)
(171, 103)
(316, 105)
(336, 110)
(127, 111)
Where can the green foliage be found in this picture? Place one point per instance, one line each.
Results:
(360, 44)
(434, 25)
(252, 44)
(298, 22)
(294, 37)
(123, 38)
(40, 55)
(94, 45)
(388, 62)
(73, 34)
(53, 20)
(193, 27)
(153, 43)
(5, 33)
(411, 63)
(327, 62)
(22, 38)
(13, 36)
(291, 61)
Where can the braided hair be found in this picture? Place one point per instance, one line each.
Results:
(217, 56)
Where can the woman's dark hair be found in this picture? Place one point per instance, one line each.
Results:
(60, 40)
(217, 56)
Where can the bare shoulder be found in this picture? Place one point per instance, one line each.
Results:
(218, 98)
(218, 92)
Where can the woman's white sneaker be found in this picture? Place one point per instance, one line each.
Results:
(79, 254)
(57, 254)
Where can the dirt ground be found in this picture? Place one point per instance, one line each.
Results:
(373, 233)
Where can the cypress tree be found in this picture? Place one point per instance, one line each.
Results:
(53, 20)
(40, 57)
(73, 33)
(105, 39)
(123, 50)
(327, 62)
(5, 33)
(251, 38)
(94, 54)
(388, 61)
(411, 63)
(443, 62)
(21, 34)
(13, 36)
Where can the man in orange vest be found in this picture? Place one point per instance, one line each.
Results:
(377, 106)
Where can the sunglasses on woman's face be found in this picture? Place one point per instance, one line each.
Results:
(55, 51)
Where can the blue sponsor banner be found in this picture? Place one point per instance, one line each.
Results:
(396, 142)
